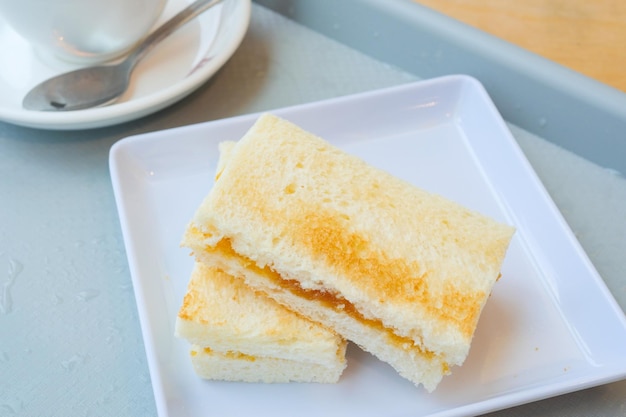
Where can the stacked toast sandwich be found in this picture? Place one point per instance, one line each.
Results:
(237, 335)
(401, 272)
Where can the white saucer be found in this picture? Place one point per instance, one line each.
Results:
(175, 68)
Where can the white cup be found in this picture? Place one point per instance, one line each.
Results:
(82, 31)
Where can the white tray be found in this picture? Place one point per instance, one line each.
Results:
(550, 326)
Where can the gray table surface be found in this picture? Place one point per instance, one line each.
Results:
(70, 340)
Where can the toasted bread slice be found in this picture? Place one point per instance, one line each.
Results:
(238, 335)
(402, 272)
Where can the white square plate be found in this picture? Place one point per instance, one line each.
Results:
(550, 326)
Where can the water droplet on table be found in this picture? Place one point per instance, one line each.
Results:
(6, 408)
(57, 299)
(73, 362)
(87, 295)
(6, 301)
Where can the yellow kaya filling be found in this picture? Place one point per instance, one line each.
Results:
(230, 354)
(328, 299)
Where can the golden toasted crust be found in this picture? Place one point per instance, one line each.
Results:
(418, 263)
(394, 280)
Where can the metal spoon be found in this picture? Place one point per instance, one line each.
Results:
(100, 85)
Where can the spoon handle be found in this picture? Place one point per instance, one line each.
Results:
(163, 31)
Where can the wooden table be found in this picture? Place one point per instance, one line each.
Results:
(586, 36)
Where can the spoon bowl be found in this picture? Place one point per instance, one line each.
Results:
(104, 84)
(80, 89)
